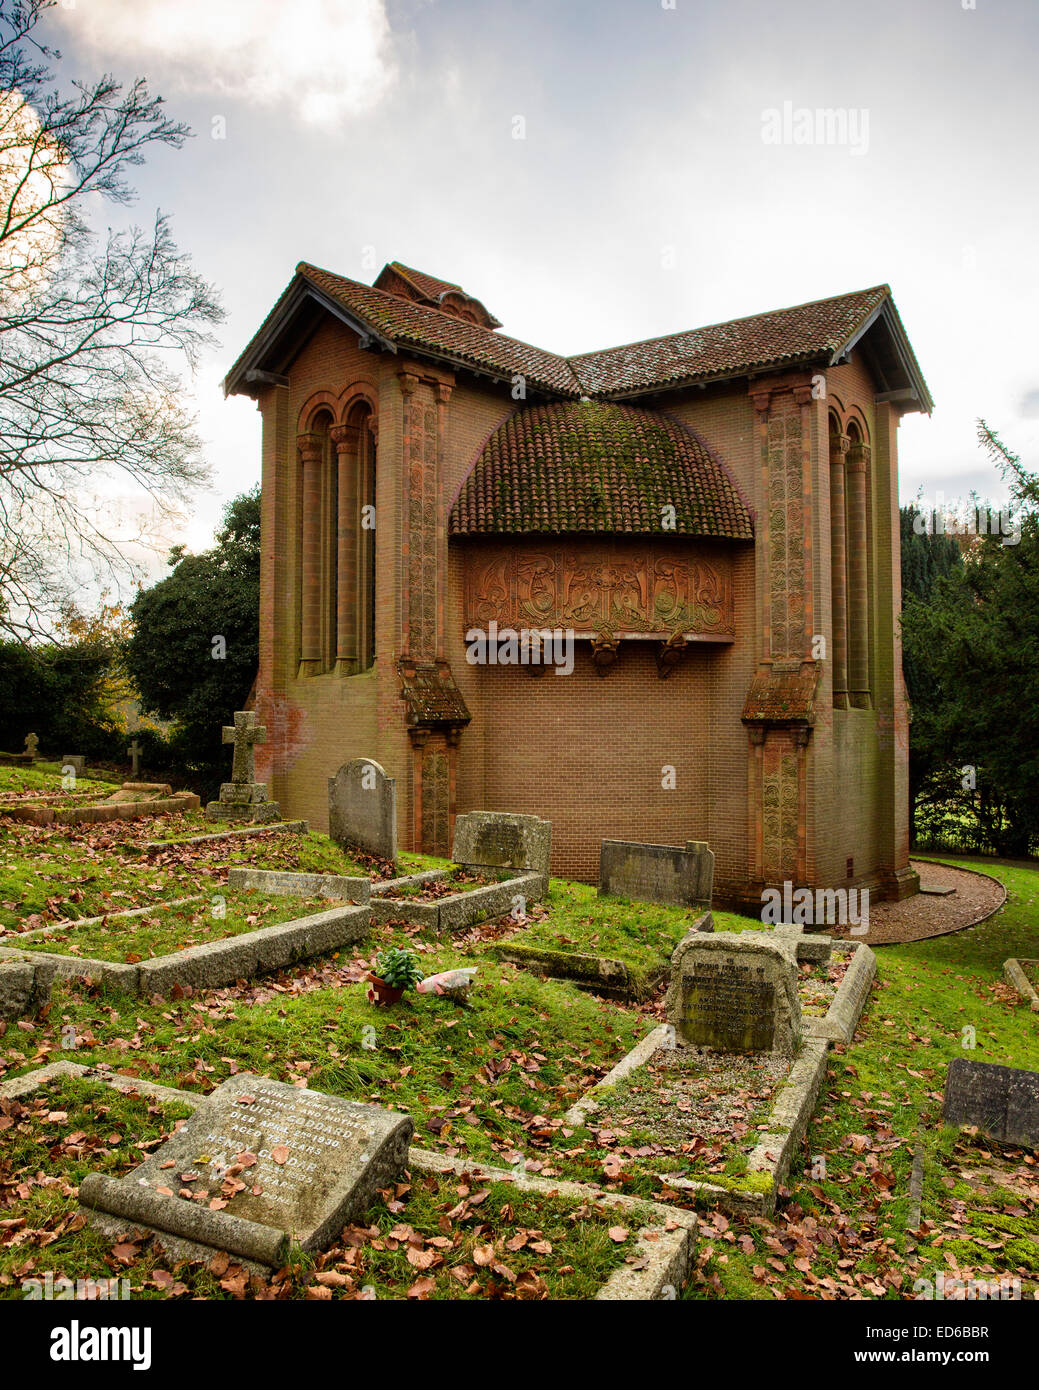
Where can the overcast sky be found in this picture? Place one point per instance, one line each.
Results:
(647, 195)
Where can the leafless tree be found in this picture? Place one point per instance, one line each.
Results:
(95, 327)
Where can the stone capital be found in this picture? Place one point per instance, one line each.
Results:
(407, 381)
(839, 446)
(858, 458)
(344, 437)
(310, 447)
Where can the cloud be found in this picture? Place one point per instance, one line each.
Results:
(1029, 406)
(320, 60)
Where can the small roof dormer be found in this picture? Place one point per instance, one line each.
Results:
(444, 295)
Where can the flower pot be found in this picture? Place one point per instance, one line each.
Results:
(381, 992)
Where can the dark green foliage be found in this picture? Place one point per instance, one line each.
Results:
(173, 656)
(60, 693)
(973, 646)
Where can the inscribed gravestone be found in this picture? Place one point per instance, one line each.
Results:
(503, 840)
(362, 808)
(283, 1164)
(657, 873)
(243, 798)
(735, 992)
(76, 761)
(1002, 1101)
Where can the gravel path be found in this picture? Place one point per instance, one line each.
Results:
(923, 915)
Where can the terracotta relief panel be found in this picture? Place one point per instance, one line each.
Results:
(589, 588)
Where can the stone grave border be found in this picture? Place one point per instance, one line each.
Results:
(793, 1102)
(666, 1255)
(291, 827)
(101, 812)
(457, 910)
(209, 966)
(452, 913)
(349, 888)
(1014, 974)
(603, 975)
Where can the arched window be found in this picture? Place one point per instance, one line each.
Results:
(337, 544)
(858, 493)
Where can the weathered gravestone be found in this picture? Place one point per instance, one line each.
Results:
(657, 873)
(76, 761)
(32, 743)
(503, 840)
(134, 754)
(362, 809)
(243, 798)
(735, 992)
(1002, 1101)
(291, 1165)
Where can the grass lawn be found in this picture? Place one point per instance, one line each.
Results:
(493, 1080)
(133, 939)
(45, 780)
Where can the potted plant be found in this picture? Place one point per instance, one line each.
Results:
(395, 971)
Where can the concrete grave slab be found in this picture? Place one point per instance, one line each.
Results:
(308, 1164)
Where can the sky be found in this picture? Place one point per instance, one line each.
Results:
(601, 171)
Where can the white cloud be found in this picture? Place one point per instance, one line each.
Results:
(322, 60)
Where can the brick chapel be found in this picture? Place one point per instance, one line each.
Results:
(713, 515)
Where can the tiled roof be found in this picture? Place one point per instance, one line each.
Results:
(593, 466)
(723, 348)
(421, 327)
(428, 285)
(782, 697)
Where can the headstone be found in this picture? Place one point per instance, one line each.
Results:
(735, 992)
(134, 754)
(503, 840)
(77, 761)
(243, 798)
(657, 873)
(285, 1164)
(1002, 1101)
(362, 809)
(31, 745)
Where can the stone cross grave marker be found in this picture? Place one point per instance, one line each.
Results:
(1002, 1101)
(243, 798)
(291, 1165)
(134, 753)
(245, 733)
(31, 745)
(735, 992)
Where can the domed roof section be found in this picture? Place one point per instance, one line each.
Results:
(578, 467)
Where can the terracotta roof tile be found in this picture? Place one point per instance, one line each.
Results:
(724, 348)
(593, 466)
(406, 323)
